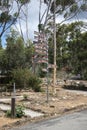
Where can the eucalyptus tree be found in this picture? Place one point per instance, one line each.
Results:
(29, 52)
(67, 9)
(82, 55)
(17, 53)
(9, 12)
(78, 50)
(2, 59)
(73, 54)
(68, 44)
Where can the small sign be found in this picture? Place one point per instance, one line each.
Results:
(35, 32)
(50, 65)
(43, 61)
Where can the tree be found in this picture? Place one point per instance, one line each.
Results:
(24, 78)
(67, 8)
(71, 47)
(2, 52)
(29, 51)
(79, 62)
(17, 54)
(15, 51)
(9, 15)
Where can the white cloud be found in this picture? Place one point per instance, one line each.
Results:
(33, 19)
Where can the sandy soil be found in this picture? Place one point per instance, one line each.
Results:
(6, 121)
(63, 101)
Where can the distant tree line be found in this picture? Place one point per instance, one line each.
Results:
(71, 48)
(16, 63)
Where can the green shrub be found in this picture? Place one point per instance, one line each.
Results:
(35, 83)
(80, 86)
(19, 112)
(24, 78)
(8, 113)
(85, 76)
(21, 77)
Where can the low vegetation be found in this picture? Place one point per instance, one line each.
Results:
(19, 112)
(75, 86)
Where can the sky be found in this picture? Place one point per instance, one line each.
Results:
(33, 19)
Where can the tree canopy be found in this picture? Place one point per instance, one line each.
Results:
(9, 12)
(71, 48)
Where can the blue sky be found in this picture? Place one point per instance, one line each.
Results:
(33, 20)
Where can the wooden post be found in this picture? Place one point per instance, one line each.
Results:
(54, 75)
(13, 103)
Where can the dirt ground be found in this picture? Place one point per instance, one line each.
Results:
(6, 121)
(63, 101)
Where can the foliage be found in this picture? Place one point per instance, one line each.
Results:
(21, 77)
(1, 58)
(24, 78)
(24, 1)
(8, 113)
(7, 18)
(19, 111)
(67, 8)
(15, 52)
(71, 48)
(16, 59)
(34, 83)
(76, 86)
(29, 50)
(39, 70)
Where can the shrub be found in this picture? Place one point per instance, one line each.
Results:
(34, 83)
(21, 77)
(75, 86)
(8, 113)
(24, 78)
(19, 112)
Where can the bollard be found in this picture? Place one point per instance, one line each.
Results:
(13, 103)
(13, 107)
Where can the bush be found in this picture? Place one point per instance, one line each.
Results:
(24, 78)
(19, 112)
(75, 86)
(21, 77)
(85, 76)
(34, 83)
(8, 113)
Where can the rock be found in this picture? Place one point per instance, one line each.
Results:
(52, 106)
(17, 123)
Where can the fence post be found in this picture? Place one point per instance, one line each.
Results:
(13, 102)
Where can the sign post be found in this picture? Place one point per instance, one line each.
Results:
(54, 75)
(41, 54)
